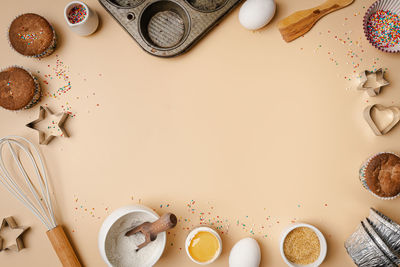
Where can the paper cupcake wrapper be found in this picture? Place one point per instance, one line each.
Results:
(384, 5)
(364, 251)
(387, 229)
(38, 90)
(363, 180)
(37, 95)
(46, 53)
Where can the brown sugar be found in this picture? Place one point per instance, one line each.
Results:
(301, 246)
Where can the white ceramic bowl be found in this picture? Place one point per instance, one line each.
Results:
(114, 217)
(191, 236)
(85, 27)
(322, 242)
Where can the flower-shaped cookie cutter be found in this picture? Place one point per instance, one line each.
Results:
(379, 80)
(19, 244)
(43, 139)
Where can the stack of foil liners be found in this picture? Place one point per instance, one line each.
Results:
(376, 242)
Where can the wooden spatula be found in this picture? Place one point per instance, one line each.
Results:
(300, 22)
(151, 230)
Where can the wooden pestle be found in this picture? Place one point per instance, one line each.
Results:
(151, 230)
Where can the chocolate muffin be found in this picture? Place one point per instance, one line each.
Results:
(18, 89)
(382, 175)
(32, 35)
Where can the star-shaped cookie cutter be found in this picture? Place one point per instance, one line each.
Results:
(19, 244)
(43, 139)
(379, 81)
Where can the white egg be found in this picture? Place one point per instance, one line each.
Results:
(255, 14)
(245, 253)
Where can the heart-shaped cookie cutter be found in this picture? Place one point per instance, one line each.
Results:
(396, 118)
(379, 81)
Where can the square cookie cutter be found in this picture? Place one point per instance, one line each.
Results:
(43, 139)
(19, 244)
(167, 28)
(380, 81)
(372, 123)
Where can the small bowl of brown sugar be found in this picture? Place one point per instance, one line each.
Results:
(303, 245)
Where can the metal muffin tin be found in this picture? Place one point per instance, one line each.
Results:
(167, 28)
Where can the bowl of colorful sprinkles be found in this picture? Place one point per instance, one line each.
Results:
(382, 25)
(303, 245)
(81, 18)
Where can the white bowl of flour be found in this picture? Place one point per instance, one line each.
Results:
(118, 250)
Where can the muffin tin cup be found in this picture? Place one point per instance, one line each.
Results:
(168, 28)
(388, 230)
(384, 5)
(38, 90)
(364, 251)
(46, 53)
(164, 24)
(363, 179)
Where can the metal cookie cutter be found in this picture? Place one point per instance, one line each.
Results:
(372, 123)
(379, 80)
(19, 244)
(43, 139)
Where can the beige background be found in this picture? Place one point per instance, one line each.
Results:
(254, 130)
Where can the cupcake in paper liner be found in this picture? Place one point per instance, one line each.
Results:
(32, 35)
(382, 25)
(19, 89)
(380, 175)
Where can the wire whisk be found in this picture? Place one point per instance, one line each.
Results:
(36, 198)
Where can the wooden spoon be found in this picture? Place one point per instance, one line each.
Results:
(151, 230)
(300, 22)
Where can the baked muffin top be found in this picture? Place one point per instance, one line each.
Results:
(30, 34)
(17, 88)
(383, 175)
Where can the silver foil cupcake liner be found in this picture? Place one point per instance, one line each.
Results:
(46, 53)
(380, 243)
(363, 179)
(38, 90)
(364, 251)
(384, 5)
(387, 229)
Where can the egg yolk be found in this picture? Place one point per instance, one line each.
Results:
(203, 246)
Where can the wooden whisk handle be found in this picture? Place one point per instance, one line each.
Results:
(63, 247)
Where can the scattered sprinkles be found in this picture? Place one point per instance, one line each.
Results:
(59, 86)
(77, 14)
(30, 37)
(384, 29)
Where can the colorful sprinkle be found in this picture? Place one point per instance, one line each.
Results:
(77, 14)
(384, 29)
